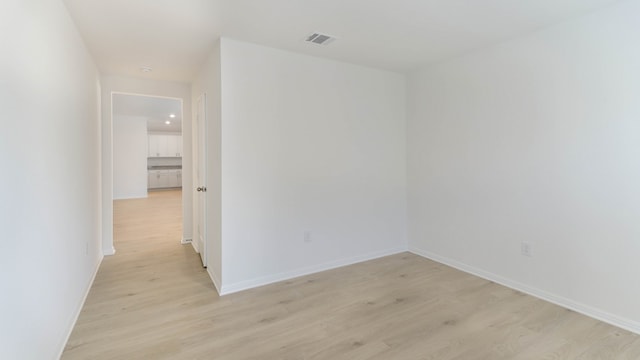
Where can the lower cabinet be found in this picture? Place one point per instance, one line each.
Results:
(175, 178)
(161, 179)
(154, 179)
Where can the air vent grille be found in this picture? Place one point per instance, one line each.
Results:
(319, 39)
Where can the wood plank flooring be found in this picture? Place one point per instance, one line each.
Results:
(153, 300)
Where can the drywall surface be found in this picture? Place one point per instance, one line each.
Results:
(313, 164)
(129, 157)
(111, 84)
(50, 184)
(207, 84)
(536, 141)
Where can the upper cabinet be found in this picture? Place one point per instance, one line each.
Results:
(165, 146)
(154, 145)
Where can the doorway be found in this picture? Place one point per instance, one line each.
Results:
(147, 149)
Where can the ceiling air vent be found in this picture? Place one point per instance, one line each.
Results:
(319, 39)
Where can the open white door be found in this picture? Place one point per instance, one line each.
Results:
(201, 180)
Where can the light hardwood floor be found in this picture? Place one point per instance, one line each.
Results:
(153, 300)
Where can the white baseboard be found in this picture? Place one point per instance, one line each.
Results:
(215, 278)
(79, 307)
(185, 241)
(195, 246)
(598, 314)
(270, 279)
(131, 196)
(109, 252)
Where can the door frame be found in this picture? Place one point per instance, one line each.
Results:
(199, 140)
(108, 247)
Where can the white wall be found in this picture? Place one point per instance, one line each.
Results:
(110, 84)
(129, 157)
(536, 140)
(307, 145)
(50, 184)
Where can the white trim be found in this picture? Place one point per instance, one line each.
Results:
(199, 122)
(130, 197)
(165, 133)
(107, 207)
(598, 314)
(109, 252)
(185, 241)
(146, 95)
(194, 244)
(270, 279)
(74, 319)
(216, 280)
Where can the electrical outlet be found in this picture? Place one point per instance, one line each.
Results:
(525, 248)
(307, 236)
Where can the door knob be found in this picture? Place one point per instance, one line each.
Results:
(202, 188)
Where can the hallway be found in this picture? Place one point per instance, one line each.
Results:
(131, 309)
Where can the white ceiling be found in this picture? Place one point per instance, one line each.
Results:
(155, 109)
(174, 37)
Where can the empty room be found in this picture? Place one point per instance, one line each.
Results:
(358, 179)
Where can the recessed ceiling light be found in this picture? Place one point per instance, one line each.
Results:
(172, 115)
(145, 69)
(168, 122)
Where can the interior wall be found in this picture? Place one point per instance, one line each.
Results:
(50, 160)
(536, 140)
(130, 157)
(112, 83)
(313, 164)
(208, 82)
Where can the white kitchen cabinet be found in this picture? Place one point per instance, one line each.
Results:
(154, 179)
(154, 146)
(171, 149)
(174, 178)
(161, 179)
(164, 179)
(165, 146)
